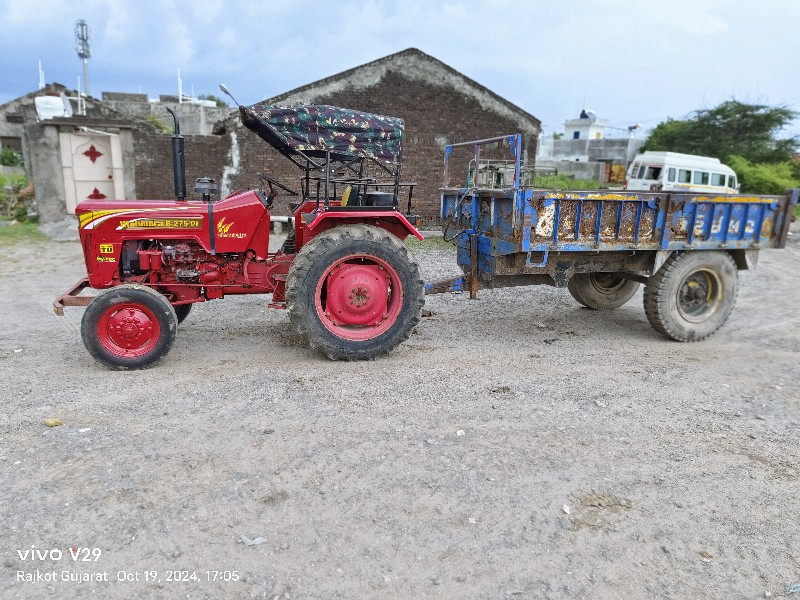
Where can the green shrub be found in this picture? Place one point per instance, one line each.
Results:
(158, 124)
(10, 158)
(10, 204)
(764, 178)
(569, 182)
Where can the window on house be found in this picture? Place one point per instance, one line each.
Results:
(701, 177)
(671, 174)
(576, 135)
(14, 143)
(684, 176)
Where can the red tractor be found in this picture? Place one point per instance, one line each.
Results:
(349, 284)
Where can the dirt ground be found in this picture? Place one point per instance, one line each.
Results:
(517, 446)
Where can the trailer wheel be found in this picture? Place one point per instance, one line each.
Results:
(601, 291)
(182, 311)
(691, 295)
(129, 327)
(354, 292)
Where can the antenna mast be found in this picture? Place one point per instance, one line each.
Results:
(84, 51)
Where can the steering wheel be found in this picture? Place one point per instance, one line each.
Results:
(269, 182)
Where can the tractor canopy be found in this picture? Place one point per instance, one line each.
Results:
(313, 130)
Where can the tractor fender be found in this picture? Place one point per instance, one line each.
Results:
(390, 220)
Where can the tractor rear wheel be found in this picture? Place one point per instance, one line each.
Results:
(601, 291)
(691, 295)
(354, 292)
(129, 327)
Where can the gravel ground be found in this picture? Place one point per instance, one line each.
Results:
(517, 446)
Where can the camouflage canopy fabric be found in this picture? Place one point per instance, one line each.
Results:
(317, 128)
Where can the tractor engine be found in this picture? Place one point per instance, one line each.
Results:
(184, 271)
(182, 266)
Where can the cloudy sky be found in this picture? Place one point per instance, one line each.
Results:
(631, 61)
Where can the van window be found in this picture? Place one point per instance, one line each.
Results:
(671, 174)
(652, 173)
(718, 179)
(684, 176)
(701, 177)
(732, 182)
(641, 172)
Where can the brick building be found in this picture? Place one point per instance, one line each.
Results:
(439, 106)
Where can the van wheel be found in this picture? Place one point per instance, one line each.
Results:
(692, 294)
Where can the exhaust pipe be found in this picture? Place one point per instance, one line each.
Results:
(178, 159)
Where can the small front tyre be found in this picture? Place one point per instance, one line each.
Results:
(692, 294)
(129, 327)
(354, 292)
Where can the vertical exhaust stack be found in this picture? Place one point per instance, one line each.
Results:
(178, 159)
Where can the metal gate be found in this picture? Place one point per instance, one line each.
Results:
(92, 167)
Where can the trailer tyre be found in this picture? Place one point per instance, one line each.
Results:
(129, 327)
(601, 291)
(354, 292)
(691, 295)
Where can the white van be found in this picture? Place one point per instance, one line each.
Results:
(675, 172)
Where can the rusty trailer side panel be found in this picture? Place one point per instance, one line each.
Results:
(547, 226)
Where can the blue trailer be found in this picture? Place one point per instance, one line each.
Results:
(686, 248)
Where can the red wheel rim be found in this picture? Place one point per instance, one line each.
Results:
(128, 330)
(359, 297)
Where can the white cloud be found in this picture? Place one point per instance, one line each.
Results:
(629, 60)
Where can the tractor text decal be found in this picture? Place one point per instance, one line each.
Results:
(144, 223)
(223, 230)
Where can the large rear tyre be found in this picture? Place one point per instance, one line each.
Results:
(354, 292)
(692, 294)
(601, 291)
(129, 327)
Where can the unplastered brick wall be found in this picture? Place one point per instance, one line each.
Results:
(434, 116)
(205, 157)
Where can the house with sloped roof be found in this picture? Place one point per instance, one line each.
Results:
(439, 105)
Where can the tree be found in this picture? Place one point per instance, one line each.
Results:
(743, 136)
(731, 129)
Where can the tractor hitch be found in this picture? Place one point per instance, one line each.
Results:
(71, 297)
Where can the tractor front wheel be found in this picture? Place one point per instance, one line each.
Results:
(129, 327)
(354, 292)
